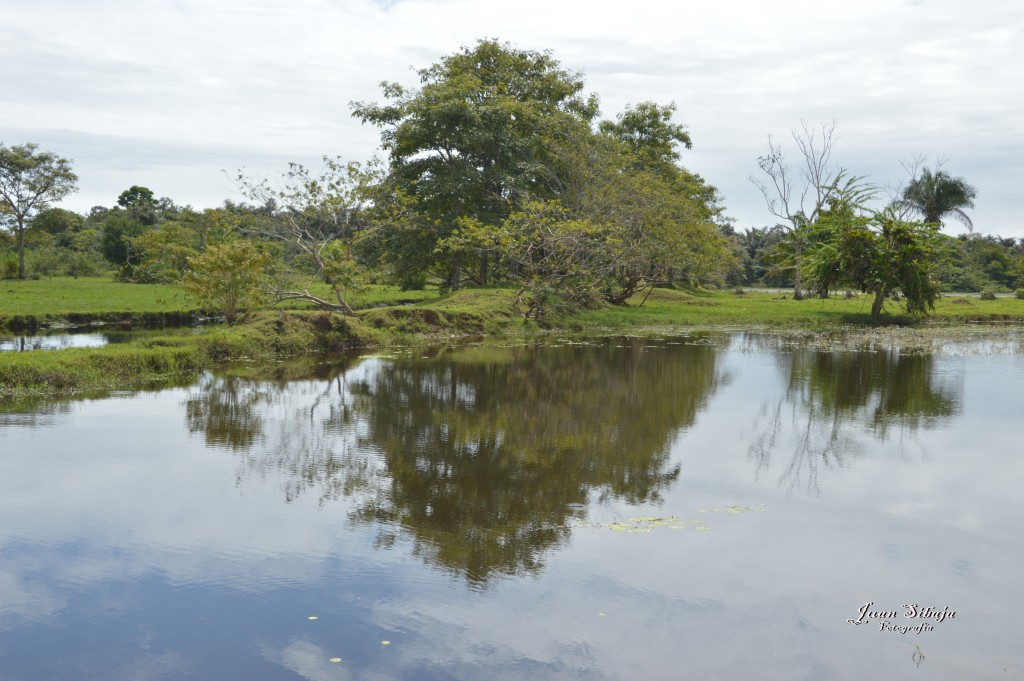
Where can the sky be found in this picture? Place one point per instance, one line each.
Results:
(170, 94)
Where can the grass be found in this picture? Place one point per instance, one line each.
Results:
(31, 303)
(50, 298)
(671, 308)
(417, 317)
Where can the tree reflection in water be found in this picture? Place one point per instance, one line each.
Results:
(480, 457)
(833, 398)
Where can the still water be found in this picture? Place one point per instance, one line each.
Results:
(77, 338)
(704, 507)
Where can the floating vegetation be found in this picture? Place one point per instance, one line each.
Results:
(646, 524)
(312, 617)
(335, 659)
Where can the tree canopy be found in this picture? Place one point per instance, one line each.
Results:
(471, 140)
(936, 195)
(29, 181)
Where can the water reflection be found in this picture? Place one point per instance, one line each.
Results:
(125, 552)
(482, 459)
(52, 342)
(832, 400)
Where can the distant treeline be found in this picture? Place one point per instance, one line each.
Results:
(966, 263)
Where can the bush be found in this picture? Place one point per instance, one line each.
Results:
(1019, 294)
(988, 294)
(9, 266)
(227, 276)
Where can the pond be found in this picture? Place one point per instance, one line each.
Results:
(713, 506)
(79, 338)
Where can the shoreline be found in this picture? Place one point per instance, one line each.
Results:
(472, 315)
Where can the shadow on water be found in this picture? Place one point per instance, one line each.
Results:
(479, 457)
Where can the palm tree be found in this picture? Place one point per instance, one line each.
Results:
(937, 195)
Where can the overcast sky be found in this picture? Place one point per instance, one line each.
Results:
(167, 93)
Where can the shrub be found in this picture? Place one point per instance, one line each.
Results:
(1019, 294)
(988, 294)
(9, 266)
(227, 276)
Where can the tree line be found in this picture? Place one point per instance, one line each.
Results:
(498, 170)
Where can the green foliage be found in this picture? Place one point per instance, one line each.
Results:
(759, 248)
(57, 221)
(937, 195)
(651, 135)
(29, 181)
(975, 262)
(9, 266)
(988, 294)
(561, 258)
(228, 277)
(310, 210)
(343, 274)
(116, 233)
(161, 254)
(1019, 294)
(470, 142)
(400, 240)
(656, 221)
(873, 251)
(140, 204)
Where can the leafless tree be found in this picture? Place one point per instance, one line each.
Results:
(797, 194)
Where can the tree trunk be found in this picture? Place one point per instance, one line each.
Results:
(456, 275)
(21, 250)
(798, 294)
(876, 305)
(484, 268)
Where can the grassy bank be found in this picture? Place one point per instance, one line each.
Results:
(669, 308)
(261, 336)
(274, 334)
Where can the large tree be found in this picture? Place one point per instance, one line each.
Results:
(937, 195)
(30, 180)
(470, 141)
(618, 226)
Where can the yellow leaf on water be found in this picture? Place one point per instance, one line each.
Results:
(335, 659)
(312, 617)
(385, 643)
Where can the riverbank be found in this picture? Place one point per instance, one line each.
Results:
(271, 335)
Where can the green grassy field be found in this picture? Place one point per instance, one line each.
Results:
(87, 295)
(48, 300)
(724, 308)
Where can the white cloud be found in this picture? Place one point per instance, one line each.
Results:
(166, 94)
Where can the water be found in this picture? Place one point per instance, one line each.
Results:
(707, 507)
(85, 339)
(54, 341)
